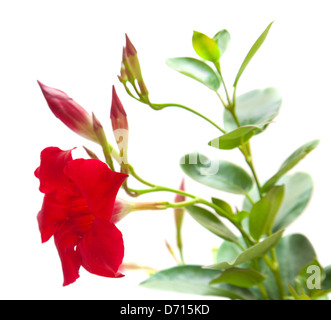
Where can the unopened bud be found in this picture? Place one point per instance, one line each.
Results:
(121, 129)
(130, 68)
(69, 112)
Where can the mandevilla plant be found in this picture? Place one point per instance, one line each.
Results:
(255, 260)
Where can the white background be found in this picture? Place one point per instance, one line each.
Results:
(76, 46)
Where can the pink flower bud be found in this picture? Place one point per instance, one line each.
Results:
(120, 128)
(69, 112)
(179, 197)
(130, 50)
(117, 113)
(179, 217)
(130, 68)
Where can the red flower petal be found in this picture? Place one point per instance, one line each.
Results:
(66, 241)
(51, 216)
(97, 184)
(102, 249)
(50, 172)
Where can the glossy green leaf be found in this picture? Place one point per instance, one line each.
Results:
(244, 278)
(298, 191)
(253, 252)
(241, 215)
(194, 280)
(211, 222)
(256, 46)
(217, 174)
(264, 212)
(222, 39)
(290, 162)
(234, 138)
(312, 274)
(225, 209)
(294, 252)
(205, 47)
(196, 69)
(326, 286)
(256, 108)
(228, 251)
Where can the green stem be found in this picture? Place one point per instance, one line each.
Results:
(277, 274)
(263, 292)
(249, 161)
(160, 106)
(165, 105)
(223, 102)
(246, 151)
(134, 174)
(218, 68)
(234, 98)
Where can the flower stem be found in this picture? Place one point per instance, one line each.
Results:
(218, 68)
(165, 105)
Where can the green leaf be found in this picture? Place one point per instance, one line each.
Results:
(228, 251)
(298, 191)
(264, 212)
(225, 208)
(241, 215)
(211, 223)
(253, 252)
(256, 108)
(234, 138)
(256, 46)
(196, 69)
(217, 174)
(226, 211)
(311, 274)
(244, 278)
(294, 252)
(290, 162)
(222, 39)
(194, 280)
(205, 47)
(326, 286)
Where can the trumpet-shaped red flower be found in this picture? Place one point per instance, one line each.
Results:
(77, 210)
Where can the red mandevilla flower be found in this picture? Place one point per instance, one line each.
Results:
(77, 210)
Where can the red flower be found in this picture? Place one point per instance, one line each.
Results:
(77, 209)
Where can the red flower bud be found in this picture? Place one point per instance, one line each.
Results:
(120, 127)
(69, 112)
(117, 113)
(179, 217)
(180, 197)
(130, 50)
(130, 68)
